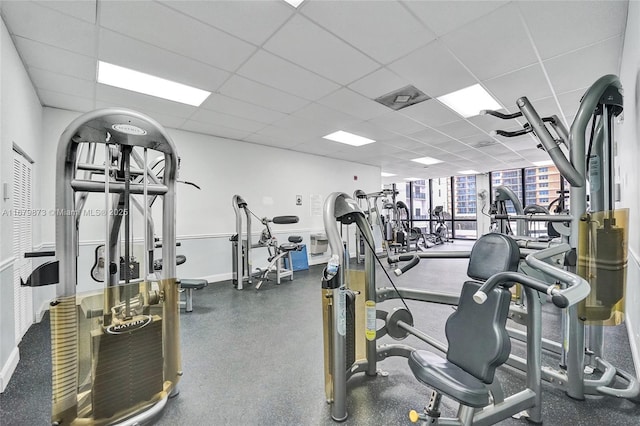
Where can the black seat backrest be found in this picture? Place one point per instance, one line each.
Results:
(493, 253)
(478, 340)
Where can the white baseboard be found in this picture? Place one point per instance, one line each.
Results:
(44, 307)
(217, 277)
(8, 368)
(635, 346)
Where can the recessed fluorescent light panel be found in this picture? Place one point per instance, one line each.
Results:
(385, 174)
(427, 160)
(348, 138)
(136, 81)
(294, 3)
(468, 172)
(543, 163)
(469, 101)
(412, 179)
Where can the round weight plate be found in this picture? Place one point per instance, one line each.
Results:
(398, 314)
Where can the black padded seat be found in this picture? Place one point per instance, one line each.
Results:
(446, 377)
(292, 245)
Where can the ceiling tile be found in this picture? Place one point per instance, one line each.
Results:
(127, 52)
(253, 21)
(458, 129)
(433, 70)
(82, 9)
(64, 101)
(404, 143)
(38, 23)
(319, 147)
(315, 111)
(369, 130)
(309, 46)
(445, 16)
(222, 103)
(349, 102)
(366, 25)
(570, 102)
(175, 32)
(583, 67)
(431, 136)
(431, 113)
(249, 91)
(493, 45)
(378, 83)
(562, 26)
(143, 103)
(214, 129)
(221, 119)
(39, 55)
(398, 123)
(529, 81)
(280, 74)
(54, 82)
(455, 147)
(303, 128)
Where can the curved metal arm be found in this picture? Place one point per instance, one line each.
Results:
(413, 261)
(577, 288)
(567, 170)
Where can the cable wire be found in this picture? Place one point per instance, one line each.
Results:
(385, 271)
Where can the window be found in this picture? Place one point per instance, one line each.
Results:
(464, 211)
(512, 179)
(548, 182)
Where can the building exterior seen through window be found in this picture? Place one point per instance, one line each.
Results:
(458, 197)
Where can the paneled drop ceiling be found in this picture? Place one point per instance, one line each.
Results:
(285, 77)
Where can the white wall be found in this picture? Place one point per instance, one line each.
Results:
(21, 123)
(628, 154)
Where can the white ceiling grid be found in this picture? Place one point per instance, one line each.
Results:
(284, 77)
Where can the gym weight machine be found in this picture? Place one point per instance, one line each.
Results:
(350, 314)
(115, 352)
(242, 244)
(597, 234)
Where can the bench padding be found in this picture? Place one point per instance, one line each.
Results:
(193, 284)
(446, 377)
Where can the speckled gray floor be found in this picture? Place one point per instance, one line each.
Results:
(255, 358)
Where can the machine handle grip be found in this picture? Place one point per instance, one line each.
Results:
(39, 254)
(512, 134)
(501, 115)
(413, 261)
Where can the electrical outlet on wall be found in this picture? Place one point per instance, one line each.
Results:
(298, 200)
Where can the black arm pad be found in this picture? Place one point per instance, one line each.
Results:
(282, 220)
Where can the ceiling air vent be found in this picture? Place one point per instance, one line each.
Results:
(402, 98)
